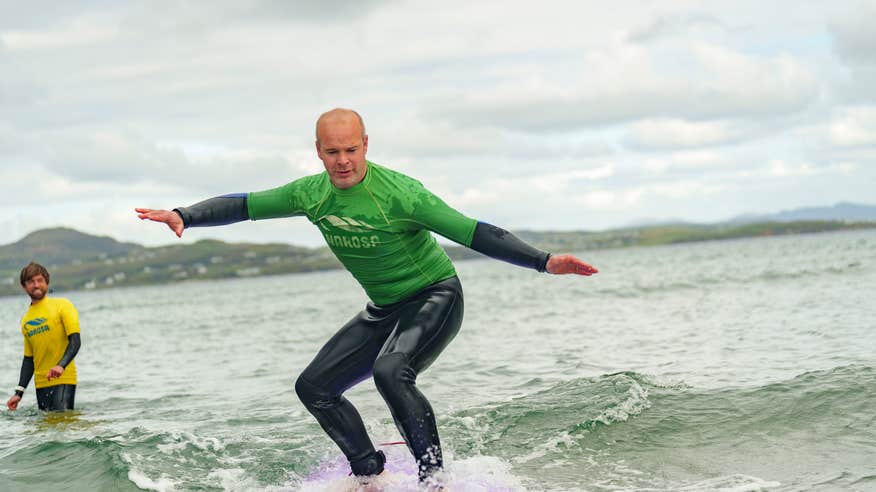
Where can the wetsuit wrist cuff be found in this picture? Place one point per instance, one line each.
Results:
(19, 390)
(181, 216)
(543, 267)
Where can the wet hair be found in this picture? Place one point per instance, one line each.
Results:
(32, 270)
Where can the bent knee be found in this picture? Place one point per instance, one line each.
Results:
(311, 394)
(393, 369)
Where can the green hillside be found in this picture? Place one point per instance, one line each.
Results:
(82, 261)
(60, 246)
(78, 260)
(679, 233)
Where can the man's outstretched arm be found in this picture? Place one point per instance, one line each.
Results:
(500, 244)
(221, 210)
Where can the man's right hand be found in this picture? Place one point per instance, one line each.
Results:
(566, 264)
(12, 404)
(169, 217)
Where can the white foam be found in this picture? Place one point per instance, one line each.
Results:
(732, 483)
(664, 381)
(550, 445)
(182, 439)
(636, 402)
(232, 479)
(385, 481)
(481, 473)
(474, 474)
(729, 483)
(163, 484)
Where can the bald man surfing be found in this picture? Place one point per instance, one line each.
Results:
(378, 222)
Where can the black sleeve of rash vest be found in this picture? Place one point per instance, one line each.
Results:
(26, 374)
(221, 210)
(500, 244)
(73, 344)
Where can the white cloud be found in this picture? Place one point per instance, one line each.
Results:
(853, 45)
(548, 115)
(652, 134)
(80, 31)
(782, 169)
(499, 191)
(676, 26)
(611, 199)
(643, 197)
(854, 35)
(34, 184)
(623, 83)
(685, 189)
(854, 126)
(699, 161)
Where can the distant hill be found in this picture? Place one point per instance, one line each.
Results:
(653, 222)
(59, 246)
(679, 233)
(843, 211)
(82, 261)
(77, 260)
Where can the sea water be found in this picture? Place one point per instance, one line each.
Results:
(722, 366)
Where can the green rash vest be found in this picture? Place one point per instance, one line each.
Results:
(379, 228)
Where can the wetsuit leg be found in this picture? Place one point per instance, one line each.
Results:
(56, 398)
(345, 360)
(426, 324)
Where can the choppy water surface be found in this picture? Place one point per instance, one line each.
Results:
(725, 366)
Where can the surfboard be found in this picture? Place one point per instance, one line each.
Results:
(475, 474)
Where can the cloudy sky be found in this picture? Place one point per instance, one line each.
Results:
(542, 115)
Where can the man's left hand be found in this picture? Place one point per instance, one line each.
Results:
(54, 372)
(565, 264)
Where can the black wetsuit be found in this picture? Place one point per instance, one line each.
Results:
(56, 398)
(375, 228)
(394, 343)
